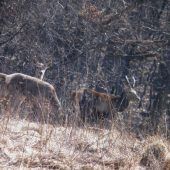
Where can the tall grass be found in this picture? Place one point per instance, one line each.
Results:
(32, 145)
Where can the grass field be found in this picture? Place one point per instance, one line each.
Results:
(28, 145)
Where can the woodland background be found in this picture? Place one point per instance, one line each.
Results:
(95, 44)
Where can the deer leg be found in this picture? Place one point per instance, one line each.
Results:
(38, 113)
(13, 104)
(11, 107)
(44, 112)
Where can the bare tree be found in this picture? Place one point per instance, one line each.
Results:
(92, 44)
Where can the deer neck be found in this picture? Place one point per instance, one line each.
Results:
(122, 102)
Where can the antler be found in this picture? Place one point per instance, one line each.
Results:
(134, 80)
(128, 80)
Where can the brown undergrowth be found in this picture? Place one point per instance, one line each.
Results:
(28, 145)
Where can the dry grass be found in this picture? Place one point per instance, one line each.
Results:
(27, 145)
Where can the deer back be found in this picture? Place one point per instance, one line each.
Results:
(92, 102)
(100, 102)
(32, 89)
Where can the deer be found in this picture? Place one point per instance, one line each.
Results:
(41, 67)
(90, 104)
(17, 87)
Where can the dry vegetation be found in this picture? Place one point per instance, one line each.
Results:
(28, 145)
(92, 44)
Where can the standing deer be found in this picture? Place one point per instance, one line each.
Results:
(18, 87)
(90, 104)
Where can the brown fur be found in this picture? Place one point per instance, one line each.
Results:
(76, 96)
(41, 67)
(18, 87)
(90, 103)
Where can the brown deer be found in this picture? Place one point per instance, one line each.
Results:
(18, 87)
(41, 67)
(90, 104)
